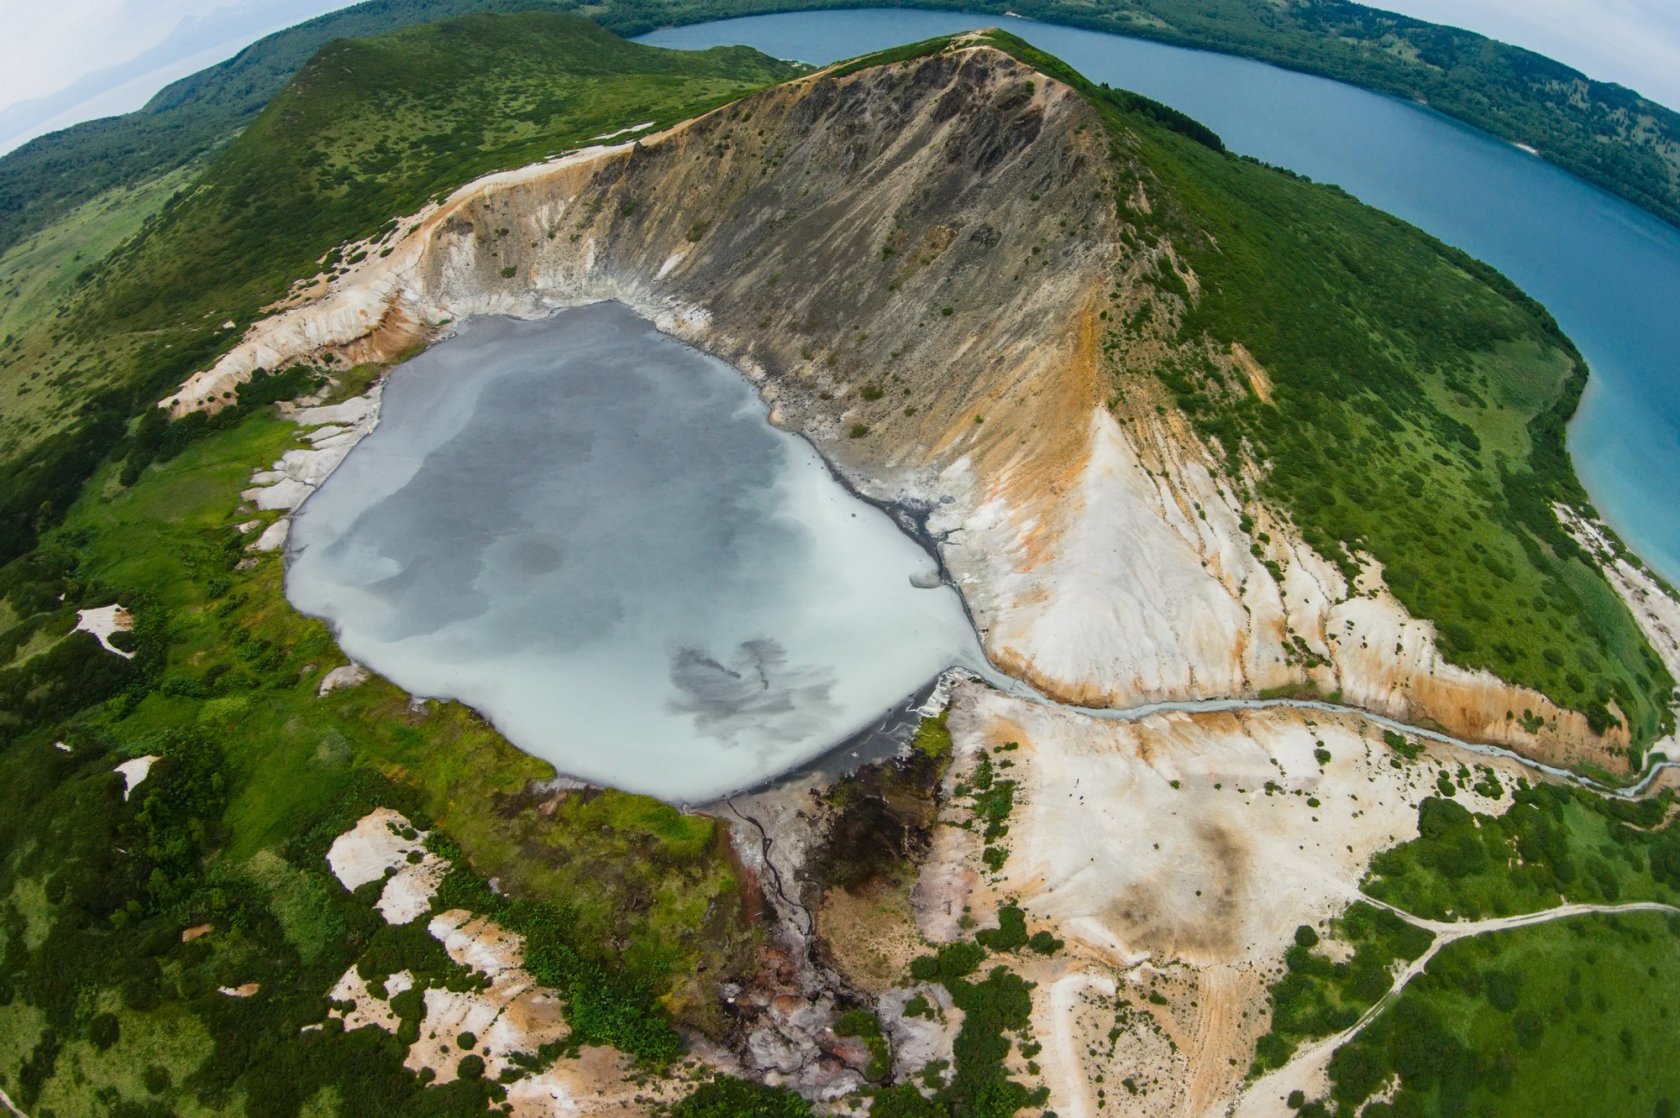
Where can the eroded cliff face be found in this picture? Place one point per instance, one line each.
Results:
(914, 262)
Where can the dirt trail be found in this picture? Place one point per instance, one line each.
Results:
(1074, 1093)
(1306, 1071)
(6, 1101)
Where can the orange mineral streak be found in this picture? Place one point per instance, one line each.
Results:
(913, 263)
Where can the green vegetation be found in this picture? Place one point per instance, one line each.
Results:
(863, 1025)
(1417, 406)
(48, 177)
(1554, 846)
(884, 815)
(994, 1008)
(603, 1007)
(991, 798)
(1318, 996)
(43, 268)
(632, 909)
(258, 776)
(369, 129)
(728, 1097)
(1499, 1024)
(1463, 1033)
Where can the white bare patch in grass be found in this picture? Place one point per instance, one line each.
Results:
(345, 675)
(384, 844)
(512, 1014)
(135, 771)
(366, 1007)
(273, 537)
(642, 127)
(104, 621)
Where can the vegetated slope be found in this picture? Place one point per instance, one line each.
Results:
(48, 176)
(635, 909)
(1173, 402)
(1417, 416)
(368, 130)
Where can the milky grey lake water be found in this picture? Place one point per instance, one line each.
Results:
(591, 533)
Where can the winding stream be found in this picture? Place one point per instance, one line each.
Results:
(1012, 686)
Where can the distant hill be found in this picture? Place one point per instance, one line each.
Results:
(50, 175)
(1605, 133)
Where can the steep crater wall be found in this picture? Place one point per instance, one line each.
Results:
(912, 261)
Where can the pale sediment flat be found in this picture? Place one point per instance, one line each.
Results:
(591, 533)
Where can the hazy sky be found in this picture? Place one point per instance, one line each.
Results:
(54, 44)
(48, 46)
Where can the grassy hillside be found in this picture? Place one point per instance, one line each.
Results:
(103, 1008)
(49, 176)
(1418, 408)
(368, 130)
(1566, 1017)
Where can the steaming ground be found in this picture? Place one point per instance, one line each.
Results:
(590, 532)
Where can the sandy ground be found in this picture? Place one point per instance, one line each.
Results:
(1176, 855)
(135, 771)
(104, 621)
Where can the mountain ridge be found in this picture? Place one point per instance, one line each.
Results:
(1278, 601)
(1627, 144)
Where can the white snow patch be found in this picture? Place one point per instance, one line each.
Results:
(273, 537)
(642, 127)
(375, 848)
(104, 621)
(135, 771)
(345, 675)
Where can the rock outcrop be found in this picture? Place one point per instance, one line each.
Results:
(914, 261)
